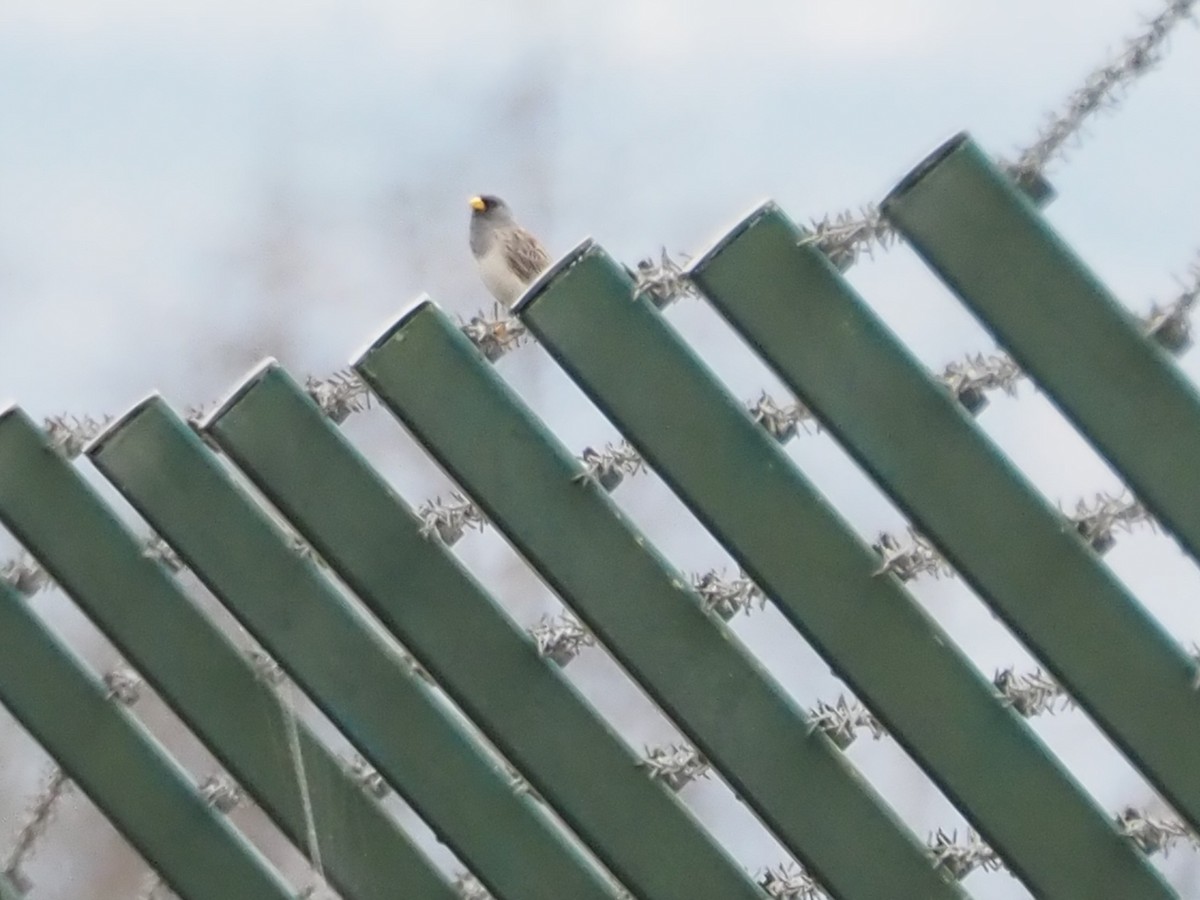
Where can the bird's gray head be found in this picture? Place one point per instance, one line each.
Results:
(487, 212)
(488, 206)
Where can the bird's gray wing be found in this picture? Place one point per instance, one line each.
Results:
(525, 255)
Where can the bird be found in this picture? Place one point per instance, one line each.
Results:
(509, 257)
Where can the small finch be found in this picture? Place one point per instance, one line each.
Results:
(508, 256)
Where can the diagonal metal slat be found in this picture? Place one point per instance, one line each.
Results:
(274, 432)
(199, 672)
(531, 487)
(1012, 546)
(141, 790)
(741, 484)
(385, 708)
(8, 890)
(1004, 261)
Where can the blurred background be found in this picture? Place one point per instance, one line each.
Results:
(188, 187)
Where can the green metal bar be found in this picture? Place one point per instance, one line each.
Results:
(1127, 396)
(741, 484)
(200, 673)
(568, 528)
(8, 890)
(122, 767)
(162, 468)
(487, 665)
(1011, 545)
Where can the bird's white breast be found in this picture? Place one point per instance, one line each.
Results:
(504, 285)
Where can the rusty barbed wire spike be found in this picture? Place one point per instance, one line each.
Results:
(495, 333)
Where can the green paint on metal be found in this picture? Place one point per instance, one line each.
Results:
(144, 793)
(741, 484)
(340, 660)
(531, 487)
(350, 515)
(1016, 550)
(994, 250)
(8, 891)
(199, 672)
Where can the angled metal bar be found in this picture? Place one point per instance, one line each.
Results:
(1012, 546)
(200, 673)
(568, 528)
(122, 768)
(8, 891)
(741, 484)
(384, 707)
(274, 432)
(1125, 394)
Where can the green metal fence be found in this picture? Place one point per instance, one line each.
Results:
(566, 808)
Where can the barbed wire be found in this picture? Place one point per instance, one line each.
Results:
(37, 824)
(450, 519)
(25, 575)
(907, 557)
(911, 557)
(789, 881)
(662, 281)
(960, 857)
(970, 379)
(221, 792)
(123, 687)
(846, 236)
(470, 888)
(611, 464)
(560, 638)
(727, 597)
(369, 778)
(495, 332)
(1155, 834)
(1030, 694)
(676, 765)
(69, 434)
(339, 395)
(1103, 89)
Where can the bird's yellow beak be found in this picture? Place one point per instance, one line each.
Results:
(477, 204)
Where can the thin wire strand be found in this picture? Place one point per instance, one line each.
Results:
(123, 686)
(846, 236)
